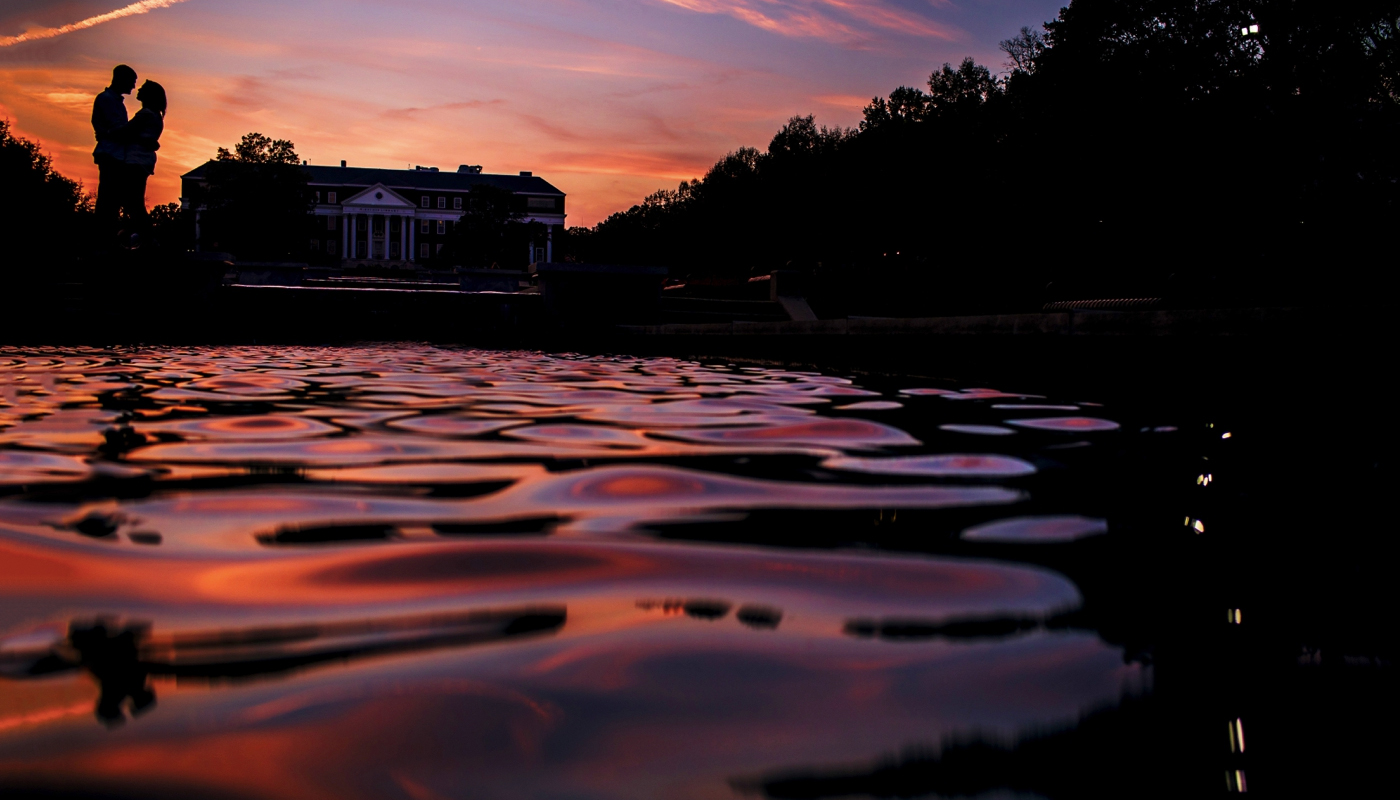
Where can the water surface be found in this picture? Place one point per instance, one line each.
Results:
(408, 571)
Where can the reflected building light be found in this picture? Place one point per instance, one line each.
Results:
(1225, 435)
(1232, 616)
(1254, 28)
(1234, 781)
(1198, 526)
(1237, 736)
(1204, 479)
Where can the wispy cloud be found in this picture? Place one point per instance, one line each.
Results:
(841, 21)
(462, 105)
(849, 102)
(142, 7)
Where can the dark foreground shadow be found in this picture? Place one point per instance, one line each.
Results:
(1116, 752)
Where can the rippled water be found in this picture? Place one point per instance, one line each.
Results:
(428, 573)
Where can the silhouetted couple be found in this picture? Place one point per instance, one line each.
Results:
(126, 152)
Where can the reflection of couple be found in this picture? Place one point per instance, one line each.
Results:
(126, 149)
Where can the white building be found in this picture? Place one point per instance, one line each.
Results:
(398, 217)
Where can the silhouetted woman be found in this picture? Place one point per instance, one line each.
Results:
(142, 135)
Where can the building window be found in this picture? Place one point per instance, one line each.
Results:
(423, 250)
(540, 202)
(457, 203)
(330, 223)
(330, 247)
(330, 197)
(442, 202)
(424, 201)
(439, 249)
(362, 224)
(442, 227)
(318, 197)
(315, 245)
(422, 226)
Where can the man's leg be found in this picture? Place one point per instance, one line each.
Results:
(136, 202)
(111, 190)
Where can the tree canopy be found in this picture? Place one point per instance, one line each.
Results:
(492, 232)
(37, 200)
(256, 201)
(1252, 139)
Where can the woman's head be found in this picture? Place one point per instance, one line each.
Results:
(152, 96)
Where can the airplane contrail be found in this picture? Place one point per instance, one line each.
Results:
(142, 7)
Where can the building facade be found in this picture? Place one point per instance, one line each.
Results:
(402, 217)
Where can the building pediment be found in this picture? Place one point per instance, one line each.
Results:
(378, 197)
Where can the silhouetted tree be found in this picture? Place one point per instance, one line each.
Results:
(1023, 49)
(968, 86)
(173, 227)
(50, 211)
(1144, 146)
(492, 232)
(257, 204)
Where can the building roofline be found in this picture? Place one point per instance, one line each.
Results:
(411, 179)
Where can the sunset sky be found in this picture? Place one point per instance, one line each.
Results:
(607, 99)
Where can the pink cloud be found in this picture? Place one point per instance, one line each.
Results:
(841, 21)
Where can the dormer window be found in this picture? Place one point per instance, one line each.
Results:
(424, 202)
(457, 203)
(330, 197)
(442, 202)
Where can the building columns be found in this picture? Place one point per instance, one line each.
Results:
(350, 236)
(548, 244)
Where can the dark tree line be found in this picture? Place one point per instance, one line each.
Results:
(39, 206)
(1246, 149)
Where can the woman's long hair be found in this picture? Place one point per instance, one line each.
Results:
(152, 96)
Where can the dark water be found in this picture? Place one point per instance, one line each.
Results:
(435, 573)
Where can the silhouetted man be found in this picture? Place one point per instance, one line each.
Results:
(108, 120)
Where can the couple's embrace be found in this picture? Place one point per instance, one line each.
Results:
(126, 150)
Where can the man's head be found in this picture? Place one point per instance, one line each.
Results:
(123, 79)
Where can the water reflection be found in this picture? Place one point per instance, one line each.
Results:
(371, 571)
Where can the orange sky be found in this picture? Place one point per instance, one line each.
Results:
(607, 99)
